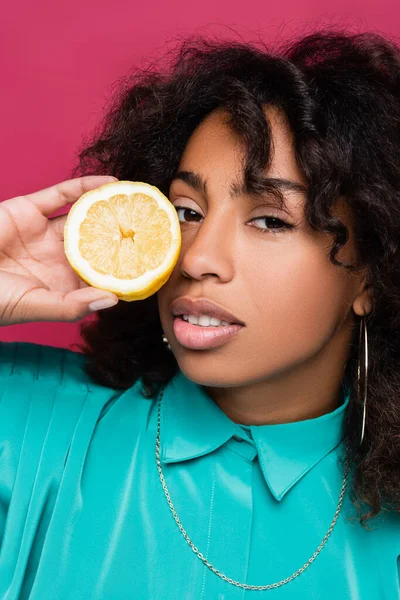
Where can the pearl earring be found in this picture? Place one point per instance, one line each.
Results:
(165, 340)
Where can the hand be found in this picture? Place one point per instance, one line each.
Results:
(37, 282)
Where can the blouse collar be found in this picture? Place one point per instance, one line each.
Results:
(193, 425)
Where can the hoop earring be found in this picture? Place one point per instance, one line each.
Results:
(364, 400)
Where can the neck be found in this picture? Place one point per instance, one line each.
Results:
(306, 391)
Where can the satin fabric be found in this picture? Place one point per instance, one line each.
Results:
(83, 514)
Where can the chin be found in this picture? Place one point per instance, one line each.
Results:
(205, 368)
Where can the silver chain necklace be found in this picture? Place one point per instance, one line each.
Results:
(245, 586)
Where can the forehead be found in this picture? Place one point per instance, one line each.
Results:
(214, 145)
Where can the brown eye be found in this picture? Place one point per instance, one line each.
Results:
(271, 224)
(187, 215)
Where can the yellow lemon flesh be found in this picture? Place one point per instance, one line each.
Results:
(123, 237)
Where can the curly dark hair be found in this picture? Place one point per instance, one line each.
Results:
(341, 95)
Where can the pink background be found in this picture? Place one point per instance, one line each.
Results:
(59, 61)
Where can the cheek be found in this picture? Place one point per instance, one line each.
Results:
(295, 289)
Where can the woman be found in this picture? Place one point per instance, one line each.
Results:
(236, 434)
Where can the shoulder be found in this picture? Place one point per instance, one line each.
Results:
(35, 364)
(46, 389)
(51, 415)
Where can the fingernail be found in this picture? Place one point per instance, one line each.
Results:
(104, 303)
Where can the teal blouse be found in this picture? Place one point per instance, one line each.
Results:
(83, 515)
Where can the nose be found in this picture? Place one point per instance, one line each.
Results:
(209, 250)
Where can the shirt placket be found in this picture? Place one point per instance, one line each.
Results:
(231, 516)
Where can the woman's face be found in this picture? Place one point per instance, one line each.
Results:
(277, 283)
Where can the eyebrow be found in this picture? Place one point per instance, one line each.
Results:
(199, 184)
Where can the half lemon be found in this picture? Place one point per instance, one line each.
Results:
(123, 237)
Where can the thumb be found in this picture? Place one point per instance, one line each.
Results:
(44, 305)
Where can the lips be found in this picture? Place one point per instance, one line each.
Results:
(185, 305)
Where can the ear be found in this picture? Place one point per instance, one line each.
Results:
(364, 300)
